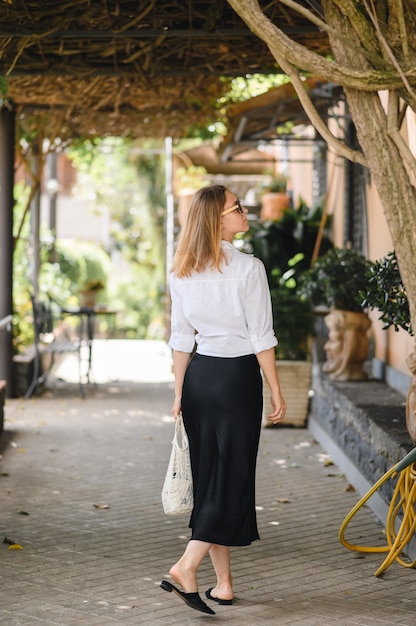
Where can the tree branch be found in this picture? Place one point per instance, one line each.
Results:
(402, 27)
(394, 133)
(376, 59)
(388, 50)
(283, 48)
(339, 147)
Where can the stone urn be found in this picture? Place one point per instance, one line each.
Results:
(411, 398)
(347, 346)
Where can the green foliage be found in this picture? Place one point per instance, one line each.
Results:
(22, 325)
(191, 178)
(241, 88)
(336, 280)
(83, 264)
(126, 178)
(4, 87)
(293, 319)
(141, 310)
(385, 291)
(278, 184)
(286, 247)
(274, 183)
(276, 242)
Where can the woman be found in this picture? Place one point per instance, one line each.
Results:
(220, 305)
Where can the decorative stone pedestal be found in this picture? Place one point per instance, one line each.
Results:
(347, 345)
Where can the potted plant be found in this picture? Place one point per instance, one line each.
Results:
(89, 292)
(335, 281)
(384, 290)
(275, 200)
(295, 233)
(286, 246)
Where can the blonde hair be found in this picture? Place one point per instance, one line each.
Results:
(199, 244)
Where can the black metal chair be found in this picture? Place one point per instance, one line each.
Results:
(52, 340)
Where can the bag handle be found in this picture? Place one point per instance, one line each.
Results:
(180, 437)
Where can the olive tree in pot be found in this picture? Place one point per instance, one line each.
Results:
(385, 291)
(335, 281)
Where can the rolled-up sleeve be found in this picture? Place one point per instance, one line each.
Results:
(182, 336)
(258, 309)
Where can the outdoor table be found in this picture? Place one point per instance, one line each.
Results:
(87, 318)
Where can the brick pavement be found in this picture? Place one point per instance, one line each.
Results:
(95, 566)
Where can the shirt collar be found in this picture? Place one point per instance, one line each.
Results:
(227, 245)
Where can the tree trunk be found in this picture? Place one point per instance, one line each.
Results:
(384, 160)
(390, 40)
(391, 178)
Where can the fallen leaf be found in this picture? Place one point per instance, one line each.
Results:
(15, 546)
(349, 488)
(283, 500)
(327, 463)
(102, 506)
(23, 513)
(9, 541)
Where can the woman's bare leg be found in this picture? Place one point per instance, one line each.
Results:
(185, 570)
(220, 557)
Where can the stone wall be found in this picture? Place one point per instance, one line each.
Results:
(366, 421)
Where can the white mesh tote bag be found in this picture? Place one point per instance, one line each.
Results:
(177, 492)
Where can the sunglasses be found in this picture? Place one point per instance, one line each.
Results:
(236, 207)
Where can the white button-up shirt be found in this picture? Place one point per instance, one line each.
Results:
(228, 314)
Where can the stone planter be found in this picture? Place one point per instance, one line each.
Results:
(295, 382)
(347, 346)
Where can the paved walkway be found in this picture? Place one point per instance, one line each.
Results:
(80, 491)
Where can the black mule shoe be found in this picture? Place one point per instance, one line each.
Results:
(219, 600)
(193, 600)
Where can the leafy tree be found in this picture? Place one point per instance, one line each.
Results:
(125, 178)
(374, 50)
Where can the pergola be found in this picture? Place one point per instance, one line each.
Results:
(122, 67)
(88, 68)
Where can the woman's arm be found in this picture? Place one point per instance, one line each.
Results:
(267, 362)
(180, 364)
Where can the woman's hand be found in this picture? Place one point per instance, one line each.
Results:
(279, 408)
(176, 408)
(180, 364)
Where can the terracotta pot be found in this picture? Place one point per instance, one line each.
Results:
(88, 299)
(273, 206)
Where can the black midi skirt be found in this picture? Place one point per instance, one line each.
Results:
(222, 405)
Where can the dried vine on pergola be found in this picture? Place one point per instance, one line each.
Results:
(133, 69)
